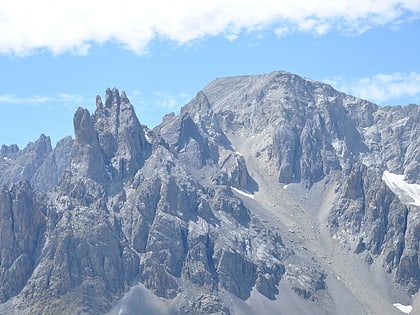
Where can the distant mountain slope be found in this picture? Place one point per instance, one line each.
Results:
(267, 194)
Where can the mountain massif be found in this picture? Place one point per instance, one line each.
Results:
(269, 194)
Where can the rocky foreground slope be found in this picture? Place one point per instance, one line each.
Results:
(267, 194)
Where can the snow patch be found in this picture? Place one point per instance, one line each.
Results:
(403, 308)
(409, 194)
(285, 186)
(238, 153)
(148, 138)
(243, 193)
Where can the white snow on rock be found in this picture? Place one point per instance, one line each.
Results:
(409, 194)
(403, 308)
(243, 193)
(238, 153)
(148, 138)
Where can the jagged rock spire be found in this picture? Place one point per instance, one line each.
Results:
(84, 130)
(112, 97)
(114, 132)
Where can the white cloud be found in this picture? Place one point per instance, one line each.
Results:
(160, 100)
(59, 26)
(70, 100)
(380, 88)
(281, 31)
(13, 99)
(170, 101)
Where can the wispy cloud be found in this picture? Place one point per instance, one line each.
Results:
(380, 88)
(69, 100)
(160, 100)
(59, 26)
(13, 99)
(170, 101)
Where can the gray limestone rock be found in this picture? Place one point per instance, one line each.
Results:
(18, 165)
(37, 163)
(305, 280)
(22, 233)
(237, 274)
(368, 211)
(120, 135)
(178, 212)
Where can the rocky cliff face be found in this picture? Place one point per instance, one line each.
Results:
(23, 224)
(315, 131)
(309, 133)
(243, 199)
(37, 163)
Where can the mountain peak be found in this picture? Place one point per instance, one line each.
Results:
(114, 131)
(124, 98)
(112, 97)
(99, 103)
(84, 129)
(259, 197)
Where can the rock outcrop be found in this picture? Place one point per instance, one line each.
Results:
(22, 232)
(230, 204)
(37, 163)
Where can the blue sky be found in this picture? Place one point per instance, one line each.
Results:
(56, 57)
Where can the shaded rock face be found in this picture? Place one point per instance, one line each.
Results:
(184, 139)
(119, 133)
(84, 269)
(109, 148)
(181, 230)
(305, 280)
(37, 162)
(111, 143)
(23, 213)
(372, 221)
(391, 134)
(199, 142)
(381, 223)
(50, 171)
(177, 209)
